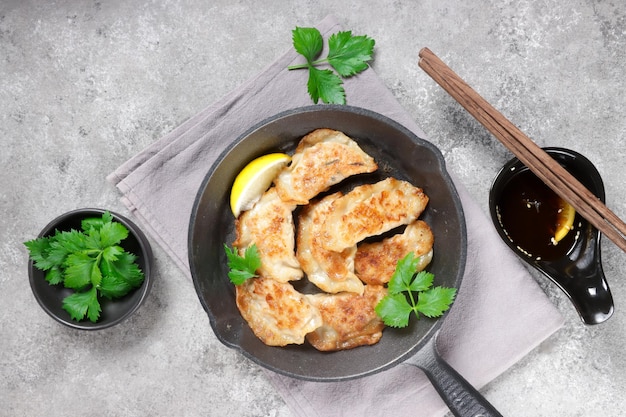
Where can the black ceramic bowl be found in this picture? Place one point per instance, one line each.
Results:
(399, 153)
(50, 297)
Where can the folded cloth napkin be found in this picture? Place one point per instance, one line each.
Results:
(499, 316)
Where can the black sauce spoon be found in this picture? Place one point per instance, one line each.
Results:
(578, 271)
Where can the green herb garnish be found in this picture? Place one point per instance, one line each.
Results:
(90, 262)
(411, 291)
(242, 267)
(347, 55)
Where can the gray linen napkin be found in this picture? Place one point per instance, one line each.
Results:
(500, 315)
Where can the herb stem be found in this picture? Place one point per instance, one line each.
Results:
(320, 61)
(298, 66)
(308, 64)
(413, 303)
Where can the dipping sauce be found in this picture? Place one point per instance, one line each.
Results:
(527, 211)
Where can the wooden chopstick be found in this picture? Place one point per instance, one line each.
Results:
(528, 152)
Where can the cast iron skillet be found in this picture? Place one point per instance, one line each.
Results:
(399, 153)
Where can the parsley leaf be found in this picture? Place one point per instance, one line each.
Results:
(79, 269)
(96, 222)
(72, 241)
(242, 267)
(54, 275)
(307, 42)
(90, 262)
(412, 291)
(39, 249)
(347, 55)
(57, 253)
(112, 233)
(394, 310)
(114, 286)
(84, 303)
(112, 253)
(435, 301)
(326, 85)
(123, 268)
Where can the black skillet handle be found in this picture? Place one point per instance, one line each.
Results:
(459, 395)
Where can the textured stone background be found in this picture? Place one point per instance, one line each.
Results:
(85, 85)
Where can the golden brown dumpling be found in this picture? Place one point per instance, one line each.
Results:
(323, 158)
(330, 271)
(269, 225)
(376, 262)
(370, 210)
(276, 312)
(349, 320)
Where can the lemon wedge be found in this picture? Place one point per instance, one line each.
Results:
(564, 220)
(254, 179)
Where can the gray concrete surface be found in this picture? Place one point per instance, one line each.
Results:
(84, 85)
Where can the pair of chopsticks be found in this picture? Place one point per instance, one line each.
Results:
(529, 153)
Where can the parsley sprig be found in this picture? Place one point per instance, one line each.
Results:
(411, 291)
(90, 261)
(347, 55)
(242, 267)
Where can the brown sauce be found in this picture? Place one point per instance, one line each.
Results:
(527, 211)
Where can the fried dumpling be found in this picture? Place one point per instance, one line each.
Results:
(349, 320)
(330, 271)
(370, 210)
(376, 262)
(277, 313)
(269, 224)
(323, 158)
